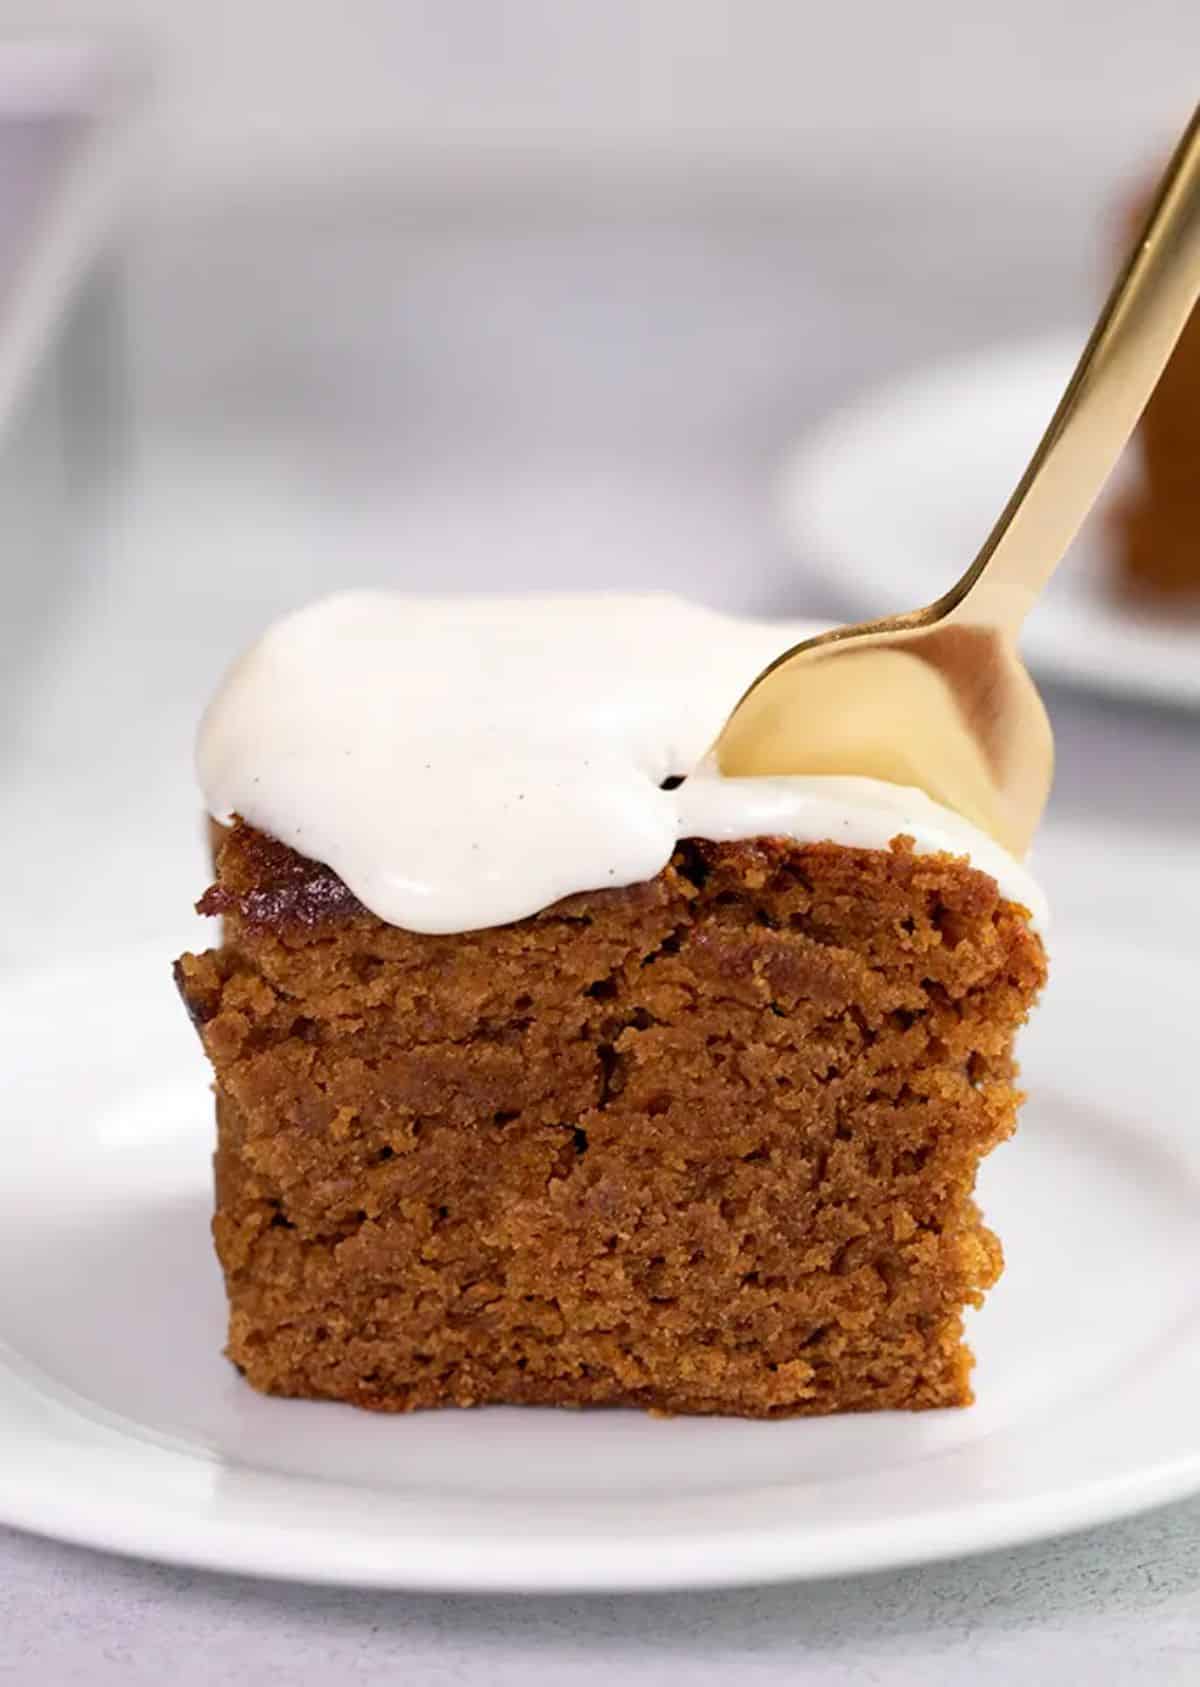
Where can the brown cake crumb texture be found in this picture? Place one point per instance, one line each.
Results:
(1157, 524)
(706, 1144)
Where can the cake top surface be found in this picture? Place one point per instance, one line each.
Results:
(464, 762)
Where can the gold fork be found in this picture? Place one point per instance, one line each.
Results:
(939, 698)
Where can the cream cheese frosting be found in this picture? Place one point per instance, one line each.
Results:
(464, 762)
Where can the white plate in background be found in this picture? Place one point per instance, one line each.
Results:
(893, 496)
(122, 1427)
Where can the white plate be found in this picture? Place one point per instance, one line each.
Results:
(893, 496)
(121, 1426)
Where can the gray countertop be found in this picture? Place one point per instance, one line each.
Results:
(517, 444)
(1119, 1605)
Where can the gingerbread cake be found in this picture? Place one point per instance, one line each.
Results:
(1156, 525)
(699, 1135)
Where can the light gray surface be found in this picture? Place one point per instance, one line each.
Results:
(317, 90)
(515, 395)
(1119, 1606)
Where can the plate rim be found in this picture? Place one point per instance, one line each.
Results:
(665, 1562)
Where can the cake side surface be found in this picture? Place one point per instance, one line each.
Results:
(704, 1144)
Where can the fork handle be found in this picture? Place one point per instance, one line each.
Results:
(1129, 348)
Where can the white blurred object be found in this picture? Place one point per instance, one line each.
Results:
(66, 110)
(67, 126)
(892, 493)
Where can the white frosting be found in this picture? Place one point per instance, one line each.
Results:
(463, 762)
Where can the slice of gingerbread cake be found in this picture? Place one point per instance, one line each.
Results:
(1156, 522)
(553, 1068)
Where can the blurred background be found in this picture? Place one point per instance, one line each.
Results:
(489, 293)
